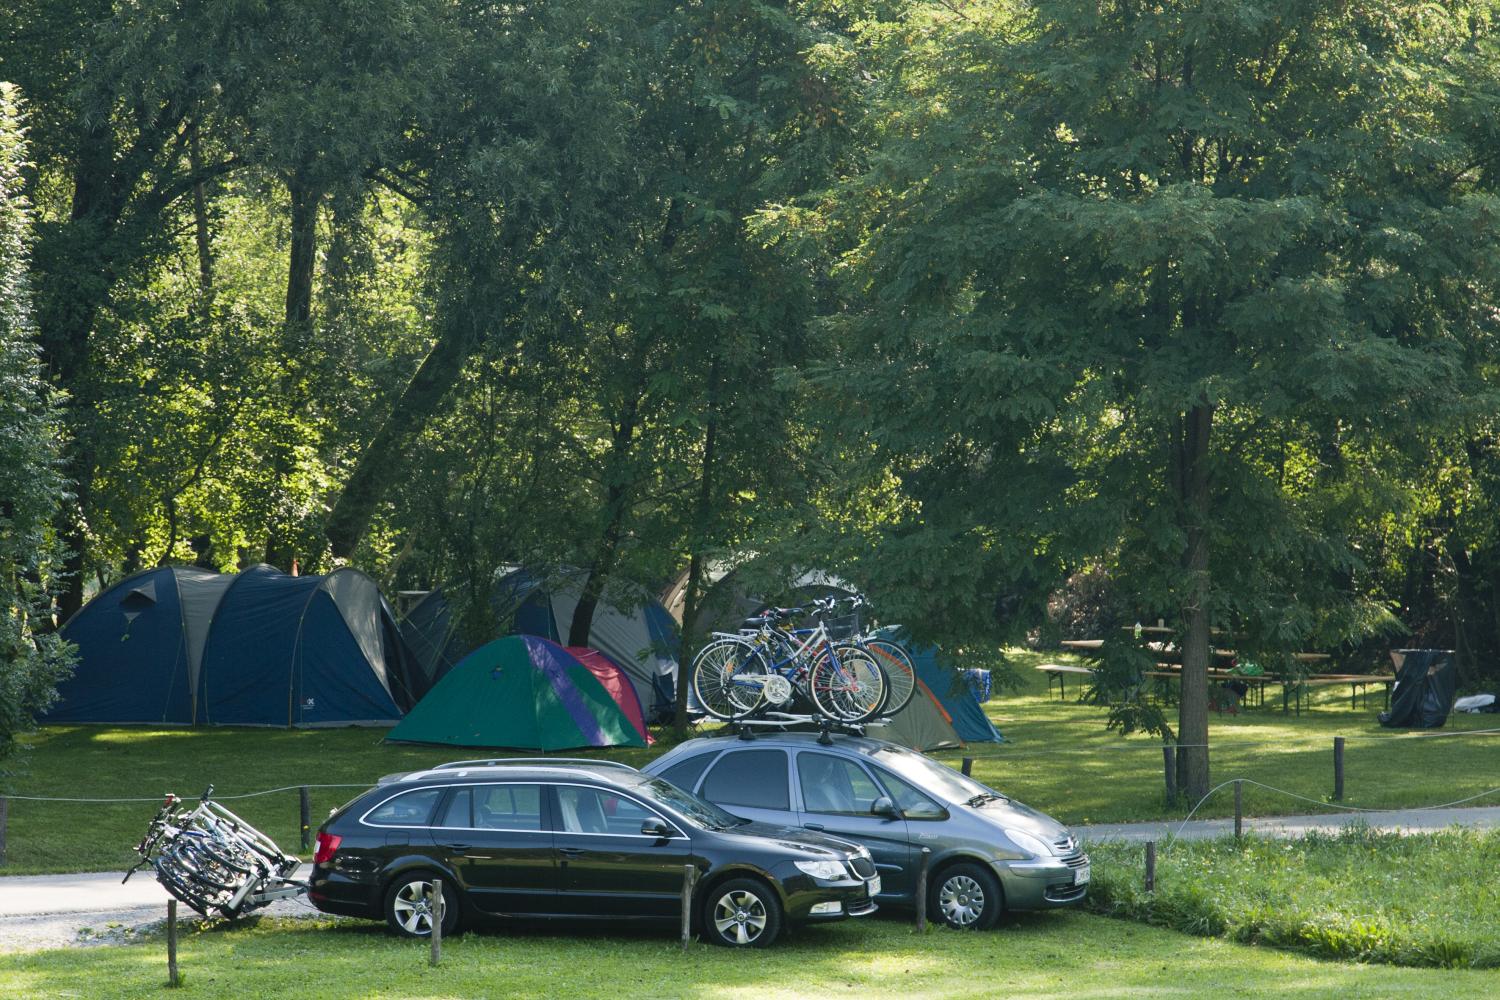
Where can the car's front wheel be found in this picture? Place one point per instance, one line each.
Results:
(742, 913)
(410, 902)
(966, 897)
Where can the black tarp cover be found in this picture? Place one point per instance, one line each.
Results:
(1426, 682)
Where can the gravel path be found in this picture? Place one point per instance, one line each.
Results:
(87, 910)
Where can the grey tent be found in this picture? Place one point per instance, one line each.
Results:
(732, 593)
(922, 725)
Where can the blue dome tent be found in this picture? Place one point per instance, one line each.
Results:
(185, 646)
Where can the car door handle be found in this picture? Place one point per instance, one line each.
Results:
(571, 852)
(457, 847)
(813, 826)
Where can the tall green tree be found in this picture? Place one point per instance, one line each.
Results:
(1131, 280)
(32, 657)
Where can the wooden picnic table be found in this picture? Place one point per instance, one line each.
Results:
(1358, 683)
(1087, 646)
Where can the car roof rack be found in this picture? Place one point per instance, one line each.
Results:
(785, 721)
(454, 765)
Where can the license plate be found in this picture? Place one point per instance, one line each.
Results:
(1081, 875)
(874, 885)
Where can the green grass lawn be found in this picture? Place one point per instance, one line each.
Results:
(1059, 759)
(1421, 900)
(1045, 955)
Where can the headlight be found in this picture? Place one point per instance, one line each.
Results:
(1029, 844)
(831, 871)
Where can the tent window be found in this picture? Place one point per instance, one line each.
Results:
(406, 809)
(834, 785)
(685, 773)
(755, 778)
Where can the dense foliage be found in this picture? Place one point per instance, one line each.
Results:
(958, 300)
(31, 656)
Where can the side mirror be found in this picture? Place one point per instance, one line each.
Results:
(656, 828)
(883, 806)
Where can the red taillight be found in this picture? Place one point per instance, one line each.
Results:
(328, 845)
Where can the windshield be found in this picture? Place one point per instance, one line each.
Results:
(701, 812)
(933, 777)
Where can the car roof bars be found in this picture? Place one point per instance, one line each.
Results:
(783, 721)
(529, 762)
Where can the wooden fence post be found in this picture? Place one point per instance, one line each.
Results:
(921, 895)
(173, 979)
(306, 813)
(1169, 771)
(689, 879)
(1338, 769)
(437, 922)
(1239, 809)
(1150, 865)
(968, 766)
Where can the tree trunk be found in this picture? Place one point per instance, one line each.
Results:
(616, 503)
(296, 336)
(201, 237)
(691, 597)
(382, 457)
(1197, 652)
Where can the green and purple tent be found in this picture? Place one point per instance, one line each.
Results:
(522, 693)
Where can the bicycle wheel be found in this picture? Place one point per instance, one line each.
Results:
(900, 673)
(728, 678)
(848, 686)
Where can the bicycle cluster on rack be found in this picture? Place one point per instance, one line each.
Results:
(773, 668)
(212, 860)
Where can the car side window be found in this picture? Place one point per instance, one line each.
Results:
(834, 785)
(685, 773)
(914, 804)
(596, 810)
(755, 778)
(407, 809)
(457, 813)
(508, 807)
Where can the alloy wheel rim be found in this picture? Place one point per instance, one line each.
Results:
(740, 917)
(413, 906)
(961, 900)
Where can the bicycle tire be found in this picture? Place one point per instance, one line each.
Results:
(900, 673)
(714, 669)
(847, 688)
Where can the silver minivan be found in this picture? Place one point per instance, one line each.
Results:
(986, 852)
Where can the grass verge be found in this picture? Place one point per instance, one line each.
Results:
(1361, 895)
(1045, 955)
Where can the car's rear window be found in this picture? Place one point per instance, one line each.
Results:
(755, 778)
(412, 808)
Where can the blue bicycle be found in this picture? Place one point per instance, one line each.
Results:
(769, 666)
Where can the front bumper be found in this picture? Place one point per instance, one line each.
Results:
(1043, 884)
(811, 899)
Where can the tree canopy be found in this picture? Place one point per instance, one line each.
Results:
(960, 300)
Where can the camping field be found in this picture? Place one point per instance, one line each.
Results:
(1059, 758)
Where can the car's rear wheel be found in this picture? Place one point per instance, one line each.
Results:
(742, 913)
(965, 897)
(409, 905)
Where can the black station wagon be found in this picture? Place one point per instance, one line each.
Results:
(580, 840)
